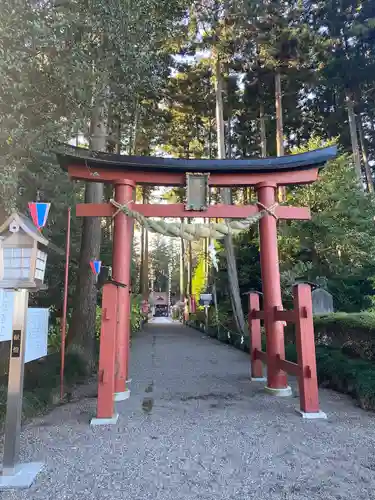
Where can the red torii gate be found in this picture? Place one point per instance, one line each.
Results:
(265, 175)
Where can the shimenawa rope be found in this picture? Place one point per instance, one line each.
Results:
(196, 231)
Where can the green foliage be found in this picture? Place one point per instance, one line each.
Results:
(337, 368)
(199, 278)
(351, 332)
(175, 313)
(54, 333)
(98, 322)
(335, 248)
(54, 336)
(338, 371)
(189, 111)
(42, 377)
(338, 243)
(350, 324)
(354, 333)
(248, 265)
(163, 253)
(136, 317)
(42, 383)
(351, 376)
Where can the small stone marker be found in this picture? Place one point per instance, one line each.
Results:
(322, 301)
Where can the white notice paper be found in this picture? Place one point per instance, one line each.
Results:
(6, 314)
(36, 333)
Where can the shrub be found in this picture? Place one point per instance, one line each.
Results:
(175, 313)
(54, 336)
(136, 317)
(42, 376)
(42, 383)
(339, 367)
(353, 333)
(337, 371)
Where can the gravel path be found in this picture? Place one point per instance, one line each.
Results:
(196, 428)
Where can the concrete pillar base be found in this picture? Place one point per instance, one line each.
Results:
(319, 415)
(104, 421)
(23, 477)
(121, 396)
(281, 393)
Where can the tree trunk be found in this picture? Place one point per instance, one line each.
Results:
(205, 253)
(118, 136)
(362, 139)
(182, 270)
(137, 115)
(189, 266)
(354, 136)
(210, 140)
(111, 133)
(142, 256)
(229, 135)
(279, 125)
(263, 136)
(82, 332)
(226, 197)
(145, 290)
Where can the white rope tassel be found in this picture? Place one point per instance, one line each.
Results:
(213, 255)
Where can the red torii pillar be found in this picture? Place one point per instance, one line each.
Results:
(121, 265)
(269, 262)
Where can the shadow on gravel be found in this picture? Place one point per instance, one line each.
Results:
(207, 397)
(147, 405)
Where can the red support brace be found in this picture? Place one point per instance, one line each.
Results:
(255, 337)
(308, 380)
(260, 355)
(106, 384)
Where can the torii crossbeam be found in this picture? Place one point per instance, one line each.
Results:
(265, 175)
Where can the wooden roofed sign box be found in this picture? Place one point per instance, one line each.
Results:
(23, 257)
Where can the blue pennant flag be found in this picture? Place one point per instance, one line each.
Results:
(95, 266)
(39, 213)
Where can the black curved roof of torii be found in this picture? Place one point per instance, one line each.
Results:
(71, 155)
